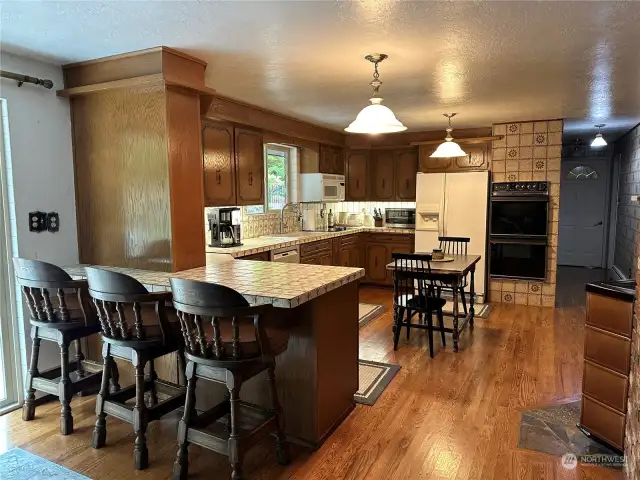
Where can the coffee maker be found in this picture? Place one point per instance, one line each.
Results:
(224, 225)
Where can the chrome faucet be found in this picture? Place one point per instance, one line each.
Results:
(288, 204)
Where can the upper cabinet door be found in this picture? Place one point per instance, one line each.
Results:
(326, 159)
(406, 171)
(337, 160)
(357, 164)
(249, 167)
(382, 172)
(218, 165)
(476, 158)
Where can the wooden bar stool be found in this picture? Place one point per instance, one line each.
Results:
(150, 335)
(226, 342)
(61, 312)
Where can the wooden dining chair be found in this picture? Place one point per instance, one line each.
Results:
(414, 292)
(455, 246)
(136, 327)
(227, 342)
(60, 311)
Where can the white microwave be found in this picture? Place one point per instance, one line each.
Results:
(321, 187)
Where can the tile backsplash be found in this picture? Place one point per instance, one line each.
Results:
(530, 151)
(256, 225)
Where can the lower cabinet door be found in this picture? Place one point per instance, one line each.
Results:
(376, 266)
(325, 258)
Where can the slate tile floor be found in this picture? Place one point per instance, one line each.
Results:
(553, 430)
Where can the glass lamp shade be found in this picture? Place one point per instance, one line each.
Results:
(375, 118)
(599, 141)
(448, 149)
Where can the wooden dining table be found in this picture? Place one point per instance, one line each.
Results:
(453, 272)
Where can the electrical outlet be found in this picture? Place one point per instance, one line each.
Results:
(53, 222)
(37, 221)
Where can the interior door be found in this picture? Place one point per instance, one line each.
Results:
(584, 203)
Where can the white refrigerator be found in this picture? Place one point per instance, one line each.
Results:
(454, 205)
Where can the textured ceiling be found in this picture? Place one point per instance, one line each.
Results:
(488, 61)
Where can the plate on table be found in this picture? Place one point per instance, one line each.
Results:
(446, 258)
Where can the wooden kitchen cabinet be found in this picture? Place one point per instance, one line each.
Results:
(477, 159)
(406, 169)
(347, 251)
(376, 264)
(218, 164)
(357, 168)
(331, 160)
(249, 156)
(382, 172)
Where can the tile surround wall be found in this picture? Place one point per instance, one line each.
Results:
(530, 151)
(628, 221)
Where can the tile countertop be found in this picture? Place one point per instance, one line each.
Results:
(266, 243)
(285, 285)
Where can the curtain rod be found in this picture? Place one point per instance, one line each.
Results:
(26, 78)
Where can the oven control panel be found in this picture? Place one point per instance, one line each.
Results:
(519, 188)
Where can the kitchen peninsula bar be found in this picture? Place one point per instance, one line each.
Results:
(317, 375)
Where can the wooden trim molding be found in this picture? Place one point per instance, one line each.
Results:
(227, 109)
(463, 140)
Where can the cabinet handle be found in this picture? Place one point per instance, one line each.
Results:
(250, 179)
(219, 177)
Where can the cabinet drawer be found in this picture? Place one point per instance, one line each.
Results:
(607, 349)
(390, 238)
(312, 247)
(605, 385)
(602, 421)
(348, 240)
(609, 314)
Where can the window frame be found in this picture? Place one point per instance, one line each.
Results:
(287, 151)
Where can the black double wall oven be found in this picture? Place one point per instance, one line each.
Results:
(519, 220)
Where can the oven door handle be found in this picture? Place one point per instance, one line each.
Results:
(518, 240)
(523, 198)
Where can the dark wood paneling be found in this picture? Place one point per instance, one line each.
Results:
(223, 108)
(185, 179)
(357, 178)
(249, 154)
(382, 172)
(122, 179)
(406, 163)
(219, 165)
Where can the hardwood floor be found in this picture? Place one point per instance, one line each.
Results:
(453, 417)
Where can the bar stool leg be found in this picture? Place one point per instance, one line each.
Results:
(181, 465)
(64, 391)
(29, 407)
(140, 420)
(282, 448)
(100, 430)
(153, 393)
(79, 358)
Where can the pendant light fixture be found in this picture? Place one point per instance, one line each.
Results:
(599, 141)
(375, 118)
(448, 148)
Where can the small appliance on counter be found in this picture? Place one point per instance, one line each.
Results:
(224, 227)
(400, 217)
(309, 223)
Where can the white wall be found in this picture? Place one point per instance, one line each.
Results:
(40, 170)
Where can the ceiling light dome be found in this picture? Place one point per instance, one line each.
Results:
(599, 141)
(375, 118)
(448, 148)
